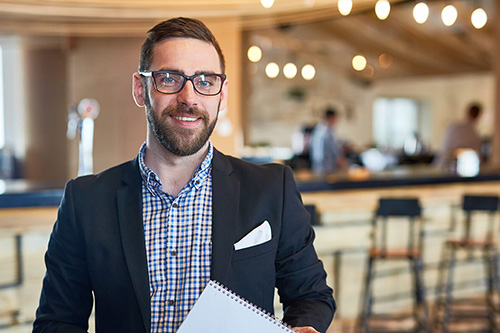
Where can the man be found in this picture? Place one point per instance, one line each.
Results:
(143, 239)
(326, 151)
(461, 135)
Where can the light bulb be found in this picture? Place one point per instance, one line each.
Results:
(382, 9)
(421, 12)
(369, 71)
(254, 53)
(385, 60)
(345, 7)
(290, 70)
(308, 72)
(267, 3)
(272, 70)
(479, 18)
(449, 15)
(359, 62)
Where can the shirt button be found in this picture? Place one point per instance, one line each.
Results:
(171, 302)
(175, 205)
(197, 182)
(173, 253)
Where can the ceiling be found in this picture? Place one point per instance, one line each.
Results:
(126, 17)
(303, 28)
(410, 49)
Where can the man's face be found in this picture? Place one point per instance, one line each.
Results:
(182, 122)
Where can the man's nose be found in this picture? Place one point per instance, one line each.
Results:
(188, 94)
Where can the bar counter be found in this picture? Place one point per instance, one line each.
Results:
(345, 202)
(22, 193)
(402, 176)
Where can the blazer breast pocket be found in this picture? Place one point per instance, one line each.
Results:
(255, 251)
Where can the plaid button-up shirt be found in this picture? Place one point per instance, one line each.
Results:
(178, 237)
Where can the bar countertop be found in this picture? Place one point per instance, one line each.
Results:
(401, 176)
(22, 193)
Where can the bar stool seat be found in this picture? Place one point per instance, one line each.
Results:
(396, 210)
(447, 311)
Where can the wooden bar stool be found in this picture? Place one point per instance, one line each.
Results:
(447, 309)
(395, 211)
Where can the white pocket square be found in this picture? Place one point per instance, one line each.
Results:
(257, 236)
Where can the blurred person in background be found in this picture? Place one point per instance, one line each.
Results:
(460, 135)
(327, 155)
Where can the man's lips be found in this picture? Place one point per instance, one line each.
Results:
(186, 118)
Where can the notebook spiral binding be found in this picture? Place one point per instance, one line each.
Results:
(263, 313)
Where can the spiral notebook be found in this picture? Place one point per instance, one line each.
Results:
(220, 310)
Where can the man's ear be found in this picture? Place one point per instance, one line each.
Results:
(138, 90)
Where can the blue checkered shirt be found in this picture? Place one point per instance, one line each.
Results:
(178, 237)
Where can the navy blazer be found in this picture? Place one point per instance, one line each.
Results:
(96, 252)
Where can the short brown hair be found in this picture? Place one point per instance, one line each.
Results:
(474, 110)
(177, 27)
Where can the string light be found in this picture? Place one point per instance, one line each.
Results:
(308, 72)
(449, 15)
(267, 3)
(290, 70)
(345, 7)
(272, 70)
(369, 71)
(382, 9)
(385, 60)
(421, 12)
(479, 18)
(254, 53)
(359, 62)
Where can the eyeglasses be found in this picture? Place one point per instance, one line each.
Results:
(172, 83)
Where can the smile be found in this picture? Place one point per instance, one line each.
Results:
(185, 118)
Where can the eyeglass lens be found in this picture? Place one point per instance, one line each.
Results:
(205, 84)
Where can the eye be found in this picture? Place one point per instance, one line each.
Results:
(168, 79)
(206, 81)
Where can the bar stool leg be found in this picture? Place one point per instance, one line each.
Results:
(449, 291)
(367, 298)
(496, 288)
(489, 258)
(421, 304)
(438, 291)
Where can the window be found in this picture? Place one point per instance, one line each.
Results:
(395, 121)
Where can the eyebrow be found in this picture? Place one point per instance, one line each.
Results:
(176, 70)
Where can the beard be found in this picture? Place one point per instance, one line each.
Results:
(177, 140)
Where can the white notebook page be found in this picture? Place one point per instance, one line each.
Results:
(219, 310)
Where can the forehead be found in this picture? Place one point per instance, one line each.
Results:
(187, 55)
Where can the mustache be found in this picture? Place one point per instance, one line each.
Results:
(182, 109)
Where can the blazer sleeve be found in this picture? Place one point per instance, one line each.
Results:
(301, 278)
(66, 297)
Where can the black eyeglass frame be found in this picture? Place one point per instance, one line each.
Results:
(186, 79)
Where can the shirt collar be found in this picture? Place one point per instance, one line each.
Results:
(153, 182)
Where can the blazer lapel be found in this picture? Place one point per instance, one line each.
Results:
(129, 202)
(225, 208)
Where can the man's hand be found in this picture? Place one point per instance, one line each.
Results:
(307, 329)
